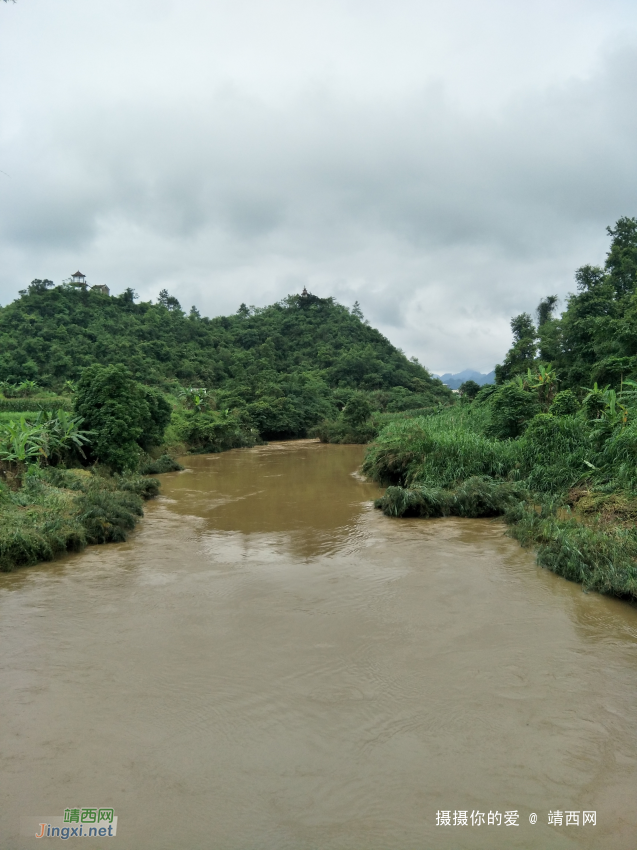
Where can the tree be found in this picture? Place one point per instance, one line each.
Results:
(549, 330)
(168, 301)
(124, 416)
(154, 425)
(522, 353)
(621, 260)
(38, 286)
(469, 389)
(128, 296)
(357, 410)
(511, 408)
(545, 309)
(309, 355)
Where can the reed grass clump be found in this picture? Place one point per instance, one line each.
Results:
(164, 463)
(475, 497)
(62, 510)
(598, 554)
(555, 453)
(438, 451)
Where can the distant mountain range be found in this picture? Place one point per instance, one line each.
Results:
(454, 381)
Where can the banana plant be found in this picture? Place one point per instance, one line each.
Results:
(21, 442)
(9, 390)
(595, 400)
(607, 405)
(27, 388)
(615, 412)
(62, 432)
(44, 438)
(545, 382)
(195, 398)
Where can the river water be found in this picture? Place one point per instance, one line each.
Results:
(268, 663)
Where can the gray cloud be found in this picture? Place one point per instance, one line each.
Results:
(441, 214)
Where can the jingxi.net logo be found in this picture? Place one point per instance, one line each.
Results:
(86, 822)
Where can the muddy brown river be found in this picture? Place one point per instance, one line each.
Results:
(270, 664)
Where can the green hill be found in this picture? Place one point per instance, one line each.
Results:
(287, 366)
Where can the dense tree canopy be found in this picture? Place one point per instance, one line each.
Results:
(123, 416)
(286, 366)
(595, 338)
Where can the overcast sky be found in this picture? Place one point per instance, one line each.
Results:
(444, 162)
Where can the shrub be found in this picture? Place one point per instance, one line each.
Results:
(215, 431)
(162, 464)
(439, 451)
(511, 408)
(555, 452)
(476, 497)
(339, 431)
(564, 404)
(124, 416)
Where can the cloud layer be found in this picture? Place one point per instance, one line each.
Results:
(445, 169)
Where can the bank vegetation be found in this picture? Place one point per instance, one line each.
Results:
(552, 447)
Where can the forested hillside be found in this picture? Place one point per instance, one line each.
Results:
(286, 367)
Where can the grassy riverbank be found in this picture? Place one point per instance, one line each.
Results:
(553, 446)
(62, 510)
(55, 494)
(565, 486)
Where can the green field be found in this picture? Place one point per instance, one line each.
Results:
(6, 416)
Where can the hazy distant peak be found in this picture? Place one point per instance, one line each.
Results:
(453, 381)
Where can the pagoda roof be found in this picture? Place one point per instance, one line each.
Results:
(78, 274)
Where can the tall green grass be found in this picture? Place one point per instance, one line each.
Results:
(598, 555)
(555, 453)
(57, 511)
(446, 464)
(475, 497)
(617, 459)
(33, 405)
(440, 451)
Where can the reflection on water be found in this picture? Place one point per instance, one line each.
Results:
(270, 663)
(253, 499)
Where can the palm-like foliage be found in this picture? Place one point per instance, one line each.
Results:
(195, 398)
(21, 442)
(45, 438)
(543, 381)
(607, 405)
